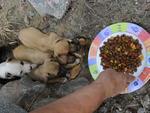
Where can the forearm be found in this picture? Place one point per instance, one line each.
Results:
(85, 100)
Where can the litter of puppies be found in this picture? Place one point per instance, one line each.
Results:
(48, 58)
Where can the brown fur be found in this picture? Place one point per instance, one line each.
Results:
(35, 39)
(62, 59)
(48, 70)
(52, 39)
(61, 47)
(30, 55)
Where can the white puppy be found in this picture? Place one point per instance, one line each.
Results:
(10, 69)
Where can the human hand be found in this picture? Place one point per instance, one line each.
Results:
(114, 82)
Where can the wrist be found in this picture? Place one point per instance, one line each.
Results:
(102, 88)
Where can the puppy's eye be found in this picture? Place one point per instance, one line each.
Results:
(22, 63)
(48, 74)
(21, 72)
(31, 68)
(8, 75)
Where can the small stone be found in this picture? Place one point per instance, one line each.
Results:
(56, 8)
(136, 2)
(141, 110)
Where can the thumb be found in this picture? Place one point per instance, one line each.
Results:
(130, 78)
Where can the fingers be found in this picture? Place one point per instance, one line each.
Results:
(126, 79)
(130, 78)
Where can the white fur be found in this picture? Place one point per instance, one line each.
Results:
(14, 68)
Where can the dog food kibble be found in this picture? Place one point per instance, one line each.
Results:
(122, 53)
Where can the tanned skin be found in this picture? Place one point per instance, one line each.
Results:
(87, 99)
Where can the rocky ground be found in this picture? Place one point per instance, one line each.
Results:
(82, 18)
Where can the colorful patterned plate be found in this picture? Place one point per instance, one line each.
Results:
(143, 72)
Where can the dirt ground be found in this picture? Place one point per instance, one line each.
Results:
(83, 18)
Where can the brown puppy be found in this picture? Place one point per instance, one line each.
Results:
(46, 71)
(33, 38)
(59, 45)
(30, 55)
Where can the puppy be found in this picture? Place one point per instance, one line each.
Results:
(46, 71)
(59, 45)
(35, 39)
(10, 69)
(31, 55)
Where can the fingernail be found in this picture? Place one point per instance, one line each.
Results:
(131, 78)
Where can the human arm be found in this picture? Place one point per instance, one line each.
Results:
(88, 99)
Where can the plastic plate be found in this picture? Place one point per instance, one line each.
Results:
(143, 72)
